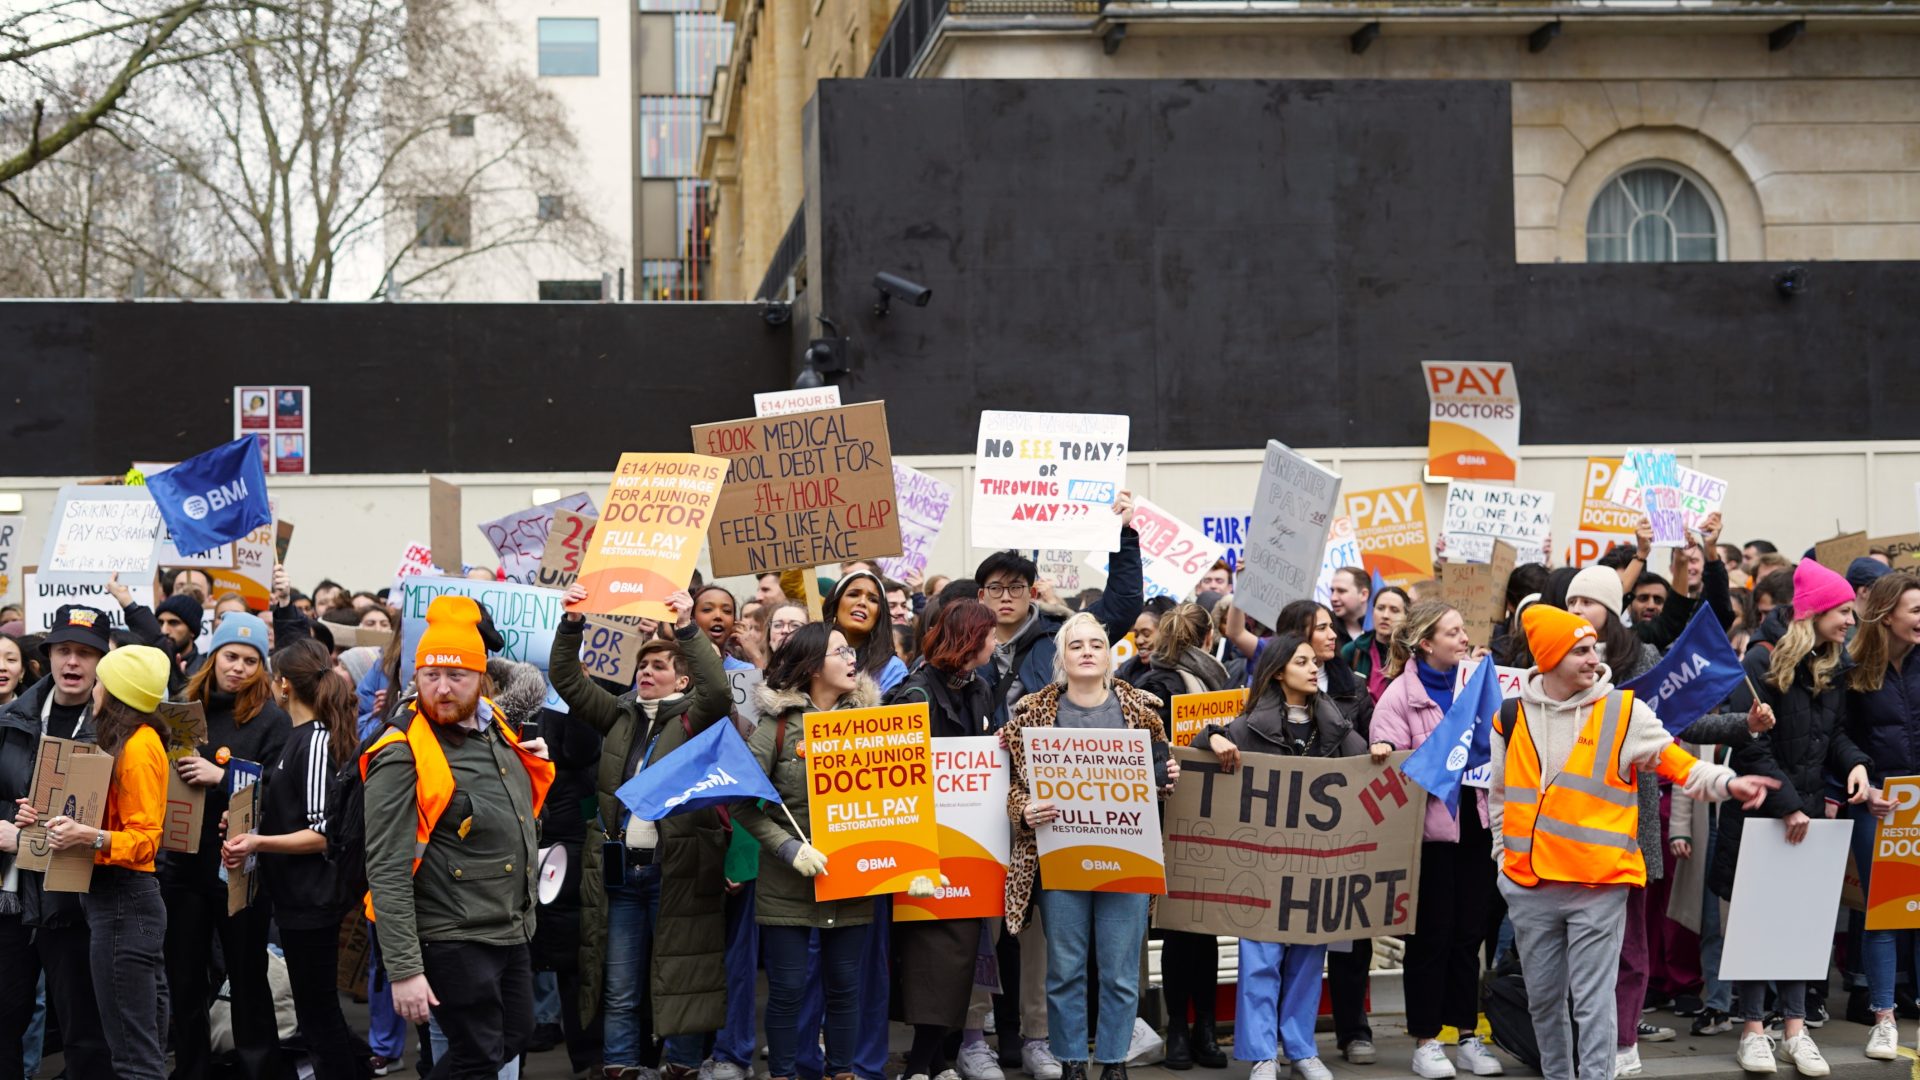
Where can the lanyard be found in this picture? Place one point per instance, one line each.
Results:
(46, 716)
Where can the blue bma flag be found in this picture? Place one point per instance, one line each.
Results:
(213, 498)
(714, 767)
(1373, 594)
(1696, 675)
(1461, 741)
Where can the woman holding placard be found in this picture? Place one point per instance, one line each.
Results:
(1285, 713)
(1080, 926)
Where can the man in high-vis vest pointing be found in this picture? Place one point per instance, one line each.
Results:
(452, 795)
(1565, 815)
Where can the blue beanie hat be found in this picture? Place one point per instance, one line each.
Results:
(1864, 571)
(241, 628)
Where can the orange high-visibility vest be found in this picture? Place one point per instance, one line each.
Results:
(433, 787)
(1584, 827)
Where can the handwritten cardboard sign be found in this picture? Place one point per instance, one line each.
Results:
(70, 779)
(443, 524)
(647, 541)
(1478, 514)
(1479, 591)
(1293, 506)
(1903, 550)
(1292, 849)
(1837, 553)
(1058, 567)
(970, 805)
(871, 799)
(1192, 712)
(611, 651)
(1107, 836)
(1048, 480)
(1473, 421)
(1391, 525)
(744, 682)
(565, 550)
(1173, 554)
(923, 502)
(240, 821)
(520, 538)
(803, 490)
(101, 530)
(186, 814)
(1602, 523)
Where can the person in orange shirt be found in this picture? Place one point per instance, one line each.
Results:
(125, 918)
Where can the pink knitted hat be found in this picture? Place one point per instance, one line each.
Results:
(1817, 589)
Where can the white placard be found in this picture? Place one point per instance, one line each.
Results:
(1479, 514)
(1511, 679)
(1174, 555)
(1107, 836)
(1699, 494)
(46, 592)
(744, 682)
(1229, 529)
(1780, 923)
(10, 584)
(98, 529)
(1049, 480)
(1343, 550)
(922, 503)
(520, 538)
(782, 402)
(1292, 510)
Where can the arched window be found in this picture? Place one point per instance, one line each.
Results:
(1655, 213)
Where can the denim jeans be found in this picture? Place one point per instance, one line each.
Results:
(869, 1060)
(438, 1040)
(1109, 927)
(546, 998)
(632, 912)
(735, 1042)
(386, 1032)
(128, 925)
(1880, 950)
(1716, 993)
(36, 1028)
(785, 949)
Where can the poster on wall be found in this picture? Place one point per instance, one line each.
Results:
(280, 419)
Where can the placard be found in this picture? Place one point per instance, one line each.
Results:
(1511, 680)
(520, 538)
(1902, 551)
(416, 560)
(1479, 591)
(1772, 929)
(1602, 523)
(744, 682)
(870, 799)
(186, 724)
(252, 573)
(1193, 712)
(240, 821)
(1107, 836)
(565, 550)
(1059, 568)
(101, 530)
(1649, 481)
(1391, 524)
(1893, 888)
(647, 541)
(1293, 506)
(1343, 550)
(1047, 480)
(923, 502)
(46, 592)
(1299, 850)
(611, 651)
(281, 419)
(11, 590)
(1174, 555)
(70, 779)
(803, 490)
(1473, 420)
(1478, 514)
(782, 402)
(970, 804)
(525, 615)
(1694, 493)
(1229, 529)
(1837, 553)
(443, 525)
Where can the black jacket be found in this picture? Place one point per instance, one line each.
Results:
(304, 889)
(19, 741)
(1661, 630)
(953, 711)
(262, 740)
(1164, 680)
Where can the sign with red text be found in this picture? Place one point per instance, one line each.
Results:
(1048, 480)
(1473, 422)
(1602, 523)
(520, 538)
(970, 804)
(1304, 851)
(647, 541)
(1391, 526)
(1193, 712)
(923, 502)
(870, 800)
(1107, 835)
(1173, 554)
(1893, 886)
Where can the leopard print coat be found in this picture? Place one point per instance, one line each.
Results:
(1040, 709)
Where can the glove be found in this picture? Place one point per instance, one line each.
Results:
(810, 861)
(922, 886)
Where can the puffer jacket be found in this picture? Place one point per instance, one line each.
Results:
(1195, 672)
(1261, 730)
(1885, 723)
(1807, 744)
(784, 896)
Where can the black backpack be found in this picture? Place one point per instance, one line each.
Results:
(347, 828)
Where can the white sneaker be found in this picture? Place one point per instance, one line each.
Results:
(727, 1070)
(1146, 1047)
(1039, 1061)
(1430, 1062)
(1883, 1042)
(916, 1076)
(1627, 1062)
(1806, 1056)
(1756, 1054)
(977, 1062)
(1473, 1056)
(1264, 1070)
(1312, 1069)
(946, 1074)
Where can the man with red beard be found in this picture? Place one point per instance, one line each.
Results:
(451, 800)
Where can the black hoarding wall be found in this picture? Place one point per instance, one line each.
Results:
(396, 387)
(1229, 262)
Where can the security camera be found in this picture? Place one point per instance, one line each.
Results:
(893, 286)
(1791, 282)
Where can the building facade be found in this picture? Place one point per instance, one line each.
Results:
(1643, 130)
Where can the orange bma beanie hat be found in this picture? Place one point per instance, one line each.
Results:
(1551, 634)
(452, 638)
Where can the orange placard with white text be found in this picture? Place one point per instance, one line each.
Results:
(1473, 421)
(1602, 524)
(1893, 886)
(1191, 712)
(970, 800)
(870, 799)
(1391, 527)
(647, 542)
(1107, 835)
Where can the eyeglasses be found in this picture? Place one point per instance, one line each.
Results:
(998, 591)
(785, 624)
(844, 652)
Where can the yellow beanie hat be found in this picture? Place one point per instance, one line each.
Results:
(136, 674)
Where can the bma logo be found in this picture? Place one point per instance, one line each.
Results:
(1099, 864)
(1457, 757)
(626, 587)
(199, 506)
(865, 865)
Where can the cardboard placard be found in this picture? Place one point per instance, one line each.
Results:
(1478, 514)
(1602, 524)
(565, 549)
(70, 779)
(240, 821)
(518, 539)
(1772, 929)
(1893, 888)
(1479, 591)
(1173, 554)
(976, 841)
(1391, 524)
(1192, 712)
(351, 637)
(782, 402)
(525, 615)
(1343, 551)
(870, 807)
(1837, 553)
(923, 502)
(611, 651)
(1293, 849)
(282, 538)
(101, 530)
(803, 490)
(46, 592)
(1293, 507)
(350, 971)
(647, 541)
(1903, 551)
(186, 723)
(1047, 480)
(1473, 421)
(1229, 529)
(1107, 836)
(443, 524)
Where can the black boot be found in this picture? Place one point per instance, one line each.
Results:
(1206, 1048)
(1115, 1071)
(1073, 1070)
(1179, 1051)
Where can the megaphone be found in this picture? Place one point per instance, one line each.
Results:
(553, 871)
